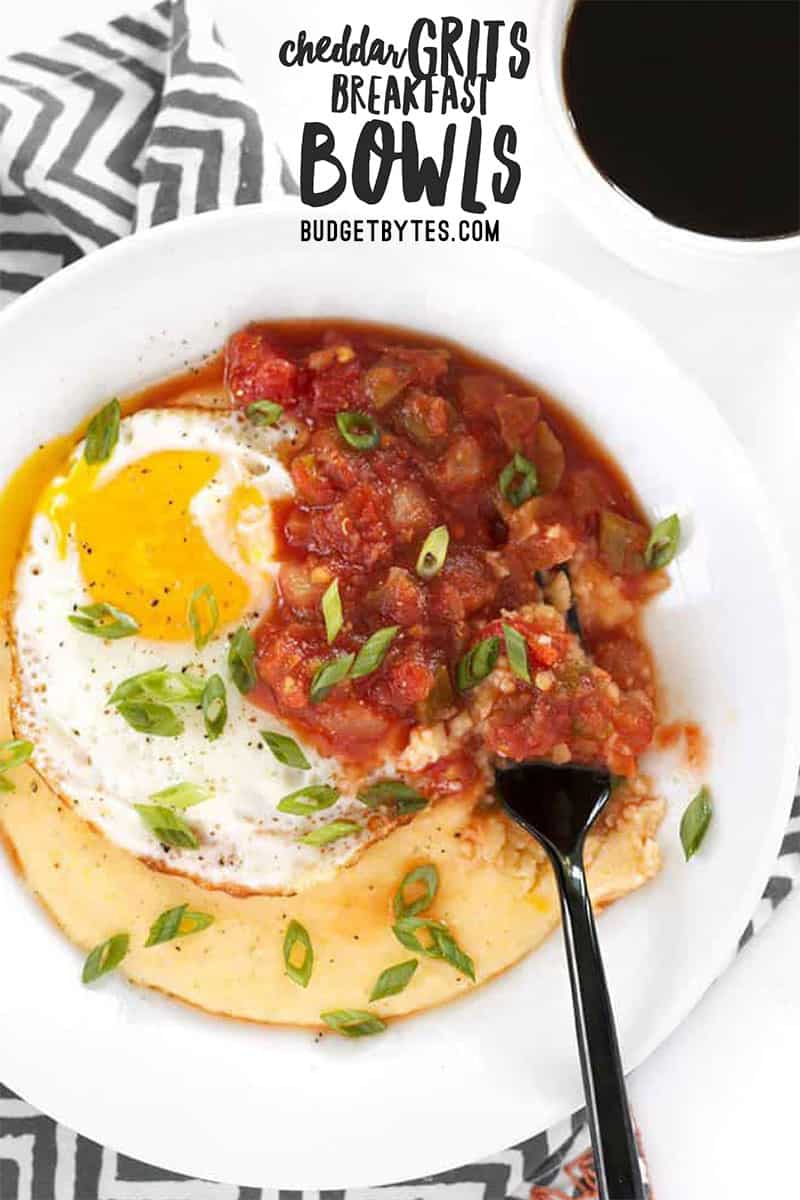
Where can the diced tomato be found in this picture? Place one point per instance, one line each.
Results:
(404, 680)
(336, 388)
(399, 599)
(538, 512)
(518, 587)
(589, 490)
(531, 730)
(480, 394)
(582, 716)
(384, 382)
(627, 662)
(591, 711)
(286, 660)
(462, 587)
(350, 726)
(464, 465)
(353, 529)
(541, 533)
(302, 586)
(353, 728)
(426, 367)
(546, 648)
(547, 640)
(411, 510)
(255, 371)
(326, 468)
(297, 527)
(518, 416)
(425, 419)
(313, 485)
(448, 776)
(539, 536)
(361, 516)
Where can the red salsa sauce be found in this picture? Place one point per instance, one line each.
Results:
(566, 537)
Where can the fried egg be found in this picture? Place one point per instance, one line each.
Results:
(183, 502)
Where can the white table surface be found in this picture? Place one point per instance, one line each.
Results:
(717, 1103)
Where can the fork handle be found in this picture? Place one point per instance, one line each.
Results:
(619, 1175)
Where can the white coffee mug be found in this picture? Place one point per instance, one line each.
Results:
(622, 225)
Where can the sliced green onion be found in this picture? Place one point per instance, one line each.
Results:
(105, 957)
(102, 433)
(14, 753)
(161, 686)
(394, 979)
(439, 699)
(168, 826)
(157, 720)
(177, 922)
(518, 480)
(388, 791)
(324, 834)
(432, 556)
(286, 750)
(215, 707)
(695, 822)
(307, 800)
(332, 610)
(264, 412)
(353, 1022)
(663, 544)
(428, 877)
(442, 944)
(241, 664)
(408, 805)
(297, 935)
(374, 651)
(203, 615)
(181, 795)
(477, 663)
(517, 651)
(358, 429)
(328, 674)
(104, 621)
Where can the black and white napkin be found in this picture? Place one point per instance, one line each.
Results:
(114, 131)
(101, 135)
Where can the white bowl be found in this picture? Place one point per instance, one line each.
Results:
(622, 225)
(269, 1107)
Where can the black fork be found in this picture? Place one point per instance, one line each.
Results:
(558, 805)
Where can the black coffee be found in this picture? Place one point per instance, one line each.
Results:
(692, 108)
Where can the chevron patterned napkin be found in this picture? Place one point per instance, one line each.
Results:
(109, 133)
(105, 134)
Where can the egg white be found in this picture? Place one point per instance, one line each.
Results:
(96, 761)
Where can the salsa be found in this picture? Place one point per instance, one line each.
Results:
(401, 436)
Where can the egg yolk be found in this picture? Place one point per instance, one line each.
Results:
(140, 548)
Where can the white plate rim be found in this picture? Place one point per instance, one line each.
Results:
(723, 945)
